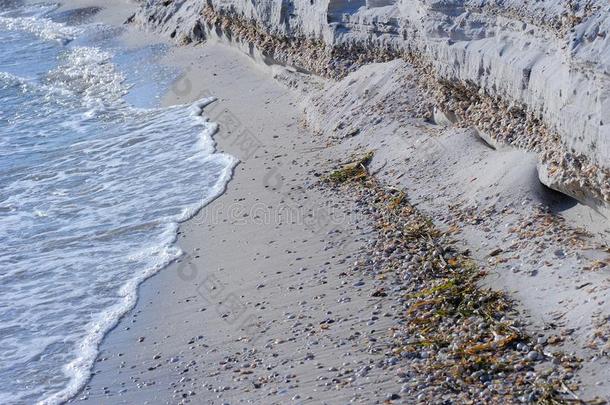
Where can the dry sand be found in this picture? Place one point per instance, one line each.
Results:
(558, 277)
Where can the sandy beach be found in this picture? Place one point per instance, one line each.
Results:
(298, 284)
(260, 275)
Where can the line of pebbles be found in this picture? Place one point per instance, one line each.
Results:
(456, 342)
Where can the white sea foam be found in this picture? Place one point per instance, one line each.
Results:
(91, 194)
(88, 70)
(42, 27)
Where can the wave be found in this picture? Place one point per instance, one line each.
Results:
(36, 24)
(79, 369)
(92, 191)
(89, 72)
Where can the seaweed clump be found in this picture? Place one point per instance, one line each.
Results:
(354, 171)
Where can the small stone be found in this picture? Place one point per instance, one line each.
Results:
(533, 356)
(495, 252)
(392, 397)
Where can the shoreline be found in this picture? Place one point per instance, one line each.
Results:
(177, 354)
(248, 196)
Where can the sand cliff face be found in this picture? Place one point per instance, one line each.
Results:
(531, 74)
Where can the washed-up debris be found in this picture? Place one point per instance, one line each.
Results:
(355, 170)
(462, 342)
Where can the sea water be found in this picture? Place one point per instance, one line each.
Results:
(94, 180)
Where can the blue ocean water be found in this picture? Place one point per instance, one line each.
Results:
(94, 180)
